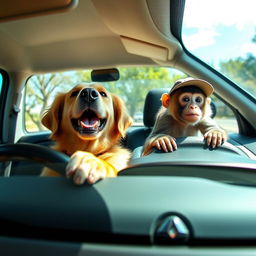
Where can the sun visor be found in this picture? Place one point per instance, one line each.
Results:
(18, 9)
(145, 49)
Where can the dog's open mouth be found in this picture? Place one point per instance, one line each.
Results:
(89, 123)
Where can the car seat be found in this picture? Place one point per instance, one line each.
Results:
(136, 136)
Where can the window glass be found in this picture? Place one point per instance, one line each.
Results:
(224, 116)
(223, 34)
(132, 87)
(1, 82)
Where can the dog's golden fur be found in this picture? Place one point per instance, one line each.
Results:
(87, 124)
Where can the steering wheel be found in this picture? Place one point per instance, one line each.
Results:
(52, 159)
(195, 143)
(194, 159)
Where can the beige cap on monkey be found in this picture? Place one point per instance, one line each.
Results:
(206, 87)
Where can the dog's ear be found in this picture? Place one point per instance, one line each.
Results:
(52, 117)
(122, 118)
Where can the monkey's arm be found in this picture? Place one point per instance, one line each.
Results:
(160, 136)
(213, 134)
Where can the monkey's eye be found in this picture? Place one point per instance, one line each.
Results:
(103, 94)
(185, 99)
(198, 99)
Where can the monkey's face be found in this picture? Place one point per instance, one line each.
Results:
(192, 105)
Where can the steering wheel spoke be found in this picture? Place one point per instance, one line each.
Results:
(26, 151)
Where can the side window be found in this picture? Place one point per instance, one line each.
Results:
(225, 116)
(2, 102)
(213, 40)
(1, 82)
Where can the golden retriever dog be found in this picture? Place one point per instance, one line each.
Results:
(87, 124)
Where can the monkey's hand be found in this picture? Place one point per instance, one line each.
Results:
(85, 166)
(165, 143)
(215, 137)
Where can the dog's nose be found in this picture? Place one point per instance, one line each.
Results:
(89, 94)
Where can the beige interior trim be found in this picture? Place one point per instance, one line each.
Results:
(133, 19)
(73, 39)
(145, 49)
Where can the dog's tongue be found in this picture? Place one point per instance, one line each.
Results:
(90, 122)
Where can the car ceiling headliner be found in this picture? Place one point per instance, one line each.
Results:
(92, 34)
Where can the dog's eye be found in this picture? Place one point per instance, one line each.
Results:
(74, 93)
(103, 94)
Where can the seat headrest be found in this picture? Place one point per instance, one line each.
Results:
(152, 105)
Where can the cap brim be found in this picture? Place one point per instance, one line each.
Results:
(206, 87)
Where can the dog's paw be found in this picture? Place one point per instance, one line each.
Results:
(84, 166)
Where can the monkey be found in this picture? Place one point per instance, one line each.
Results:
(185, 111)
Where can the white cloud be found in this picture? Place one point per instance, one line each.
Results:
(205, 21)
(203, 37)
(204, 14)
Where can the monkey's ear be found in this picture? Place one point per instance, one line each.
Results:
(165, 100)
(208, 100)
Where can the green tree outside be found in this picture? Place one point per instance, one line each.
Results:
(242, 70)
(132, 87)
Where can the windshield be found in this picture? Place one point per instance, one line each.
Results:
(225, 40)
(132, 87)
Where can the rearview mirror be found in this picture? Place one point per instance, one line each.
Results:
(105, 75)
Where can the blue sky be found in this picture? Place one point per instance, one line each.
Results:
(215, 33)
